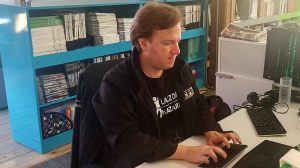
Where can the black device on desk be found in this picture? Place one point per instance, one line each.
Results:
(265, 122)
(232, 152)
(260, 111)
(264, 155)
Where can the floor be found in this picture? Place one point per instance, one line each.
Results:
(14, 155)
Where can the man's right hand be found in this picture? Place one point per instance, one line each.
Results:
(198, 154)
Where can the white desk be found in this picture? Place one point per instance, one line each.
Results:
(240, 123)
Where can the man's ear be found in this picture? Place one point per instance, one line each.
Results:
(143, 44)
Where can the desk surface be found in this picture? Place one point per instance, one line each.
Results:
(240, 123)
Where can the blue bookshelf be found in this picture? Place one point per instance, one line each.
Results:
(80, 54)
(96, 51)
(192, 60)
(188, 34)
(57, 101)
(20, 67)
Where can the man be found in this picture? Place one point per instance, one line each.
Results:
(149, 103)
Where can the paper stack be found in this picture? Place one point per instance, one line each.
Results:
(103, 26)
(52, 87)
(73, 70)
(75, 26)
(47, 35)
(113, 57)
(124, 25)
(190, 13)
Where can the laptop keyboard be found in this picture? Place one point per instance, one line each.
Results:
(232, 152)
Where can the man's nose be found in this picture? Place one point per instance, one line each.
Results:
(176, 49)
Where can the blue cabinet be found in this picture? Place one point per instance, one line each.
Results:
(20, 65)
(3, 103)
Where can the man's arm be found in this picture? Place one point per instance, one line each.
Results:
(211, 129)
(206, 120)
(197, 154)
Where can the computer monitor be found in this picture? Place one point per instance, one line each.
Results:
(283, 55)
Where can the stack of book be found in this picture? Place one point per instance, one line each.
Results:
(288, 6)
(112, 57)
(235, 32)
(124, 25)
(73, 70)
(103, 27)
(47, 35)
(190, 13)
(251, 9)
(52, 87)
(74, 26)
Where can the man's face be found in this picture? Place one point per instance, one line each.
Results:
(161, 50)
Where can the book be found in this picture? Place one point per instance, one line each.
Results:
(190, 13)
(103, 27)
(253, 9)
(244, 8)
(113, 57)
(46, 21)
(291, 5)
(262, 8)
(124, 25)
(73, 71)
(48, 35)
(52, 87)
(235, 32)
(82, 28)
(75, 25)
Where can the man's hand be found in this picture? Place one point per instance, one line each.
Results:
(197, 154)
(215, 138)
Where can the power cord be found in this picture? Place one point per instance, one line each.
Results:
(274, 109)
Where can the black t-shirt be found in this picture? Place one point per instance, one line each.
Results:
(168, 107)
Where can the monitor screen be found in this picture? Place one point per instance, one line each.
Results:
(283, 55)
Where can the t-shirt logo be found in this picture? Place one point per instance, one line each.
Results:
(188, 93)
(166, 105)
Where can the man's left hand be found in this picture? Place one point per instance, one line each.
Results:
(215, 138)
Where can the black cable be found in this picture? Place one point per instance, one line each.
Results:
(245, 103)
(275, 110)
(237, 107)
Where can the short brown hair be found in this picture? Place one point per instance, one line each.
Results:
(153, 16)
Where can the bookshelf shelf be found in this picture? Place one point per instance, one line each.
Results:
(50, 4)
(96, 51)
(188, 34)
(171, 1)
(289, 15)
(261, 20)
(57, 101)
(22, 69)
(194, 59)
(177, 0)
(80, 54)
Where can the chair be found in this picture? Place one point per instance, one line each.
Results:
(218, 107)
(87, 129)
